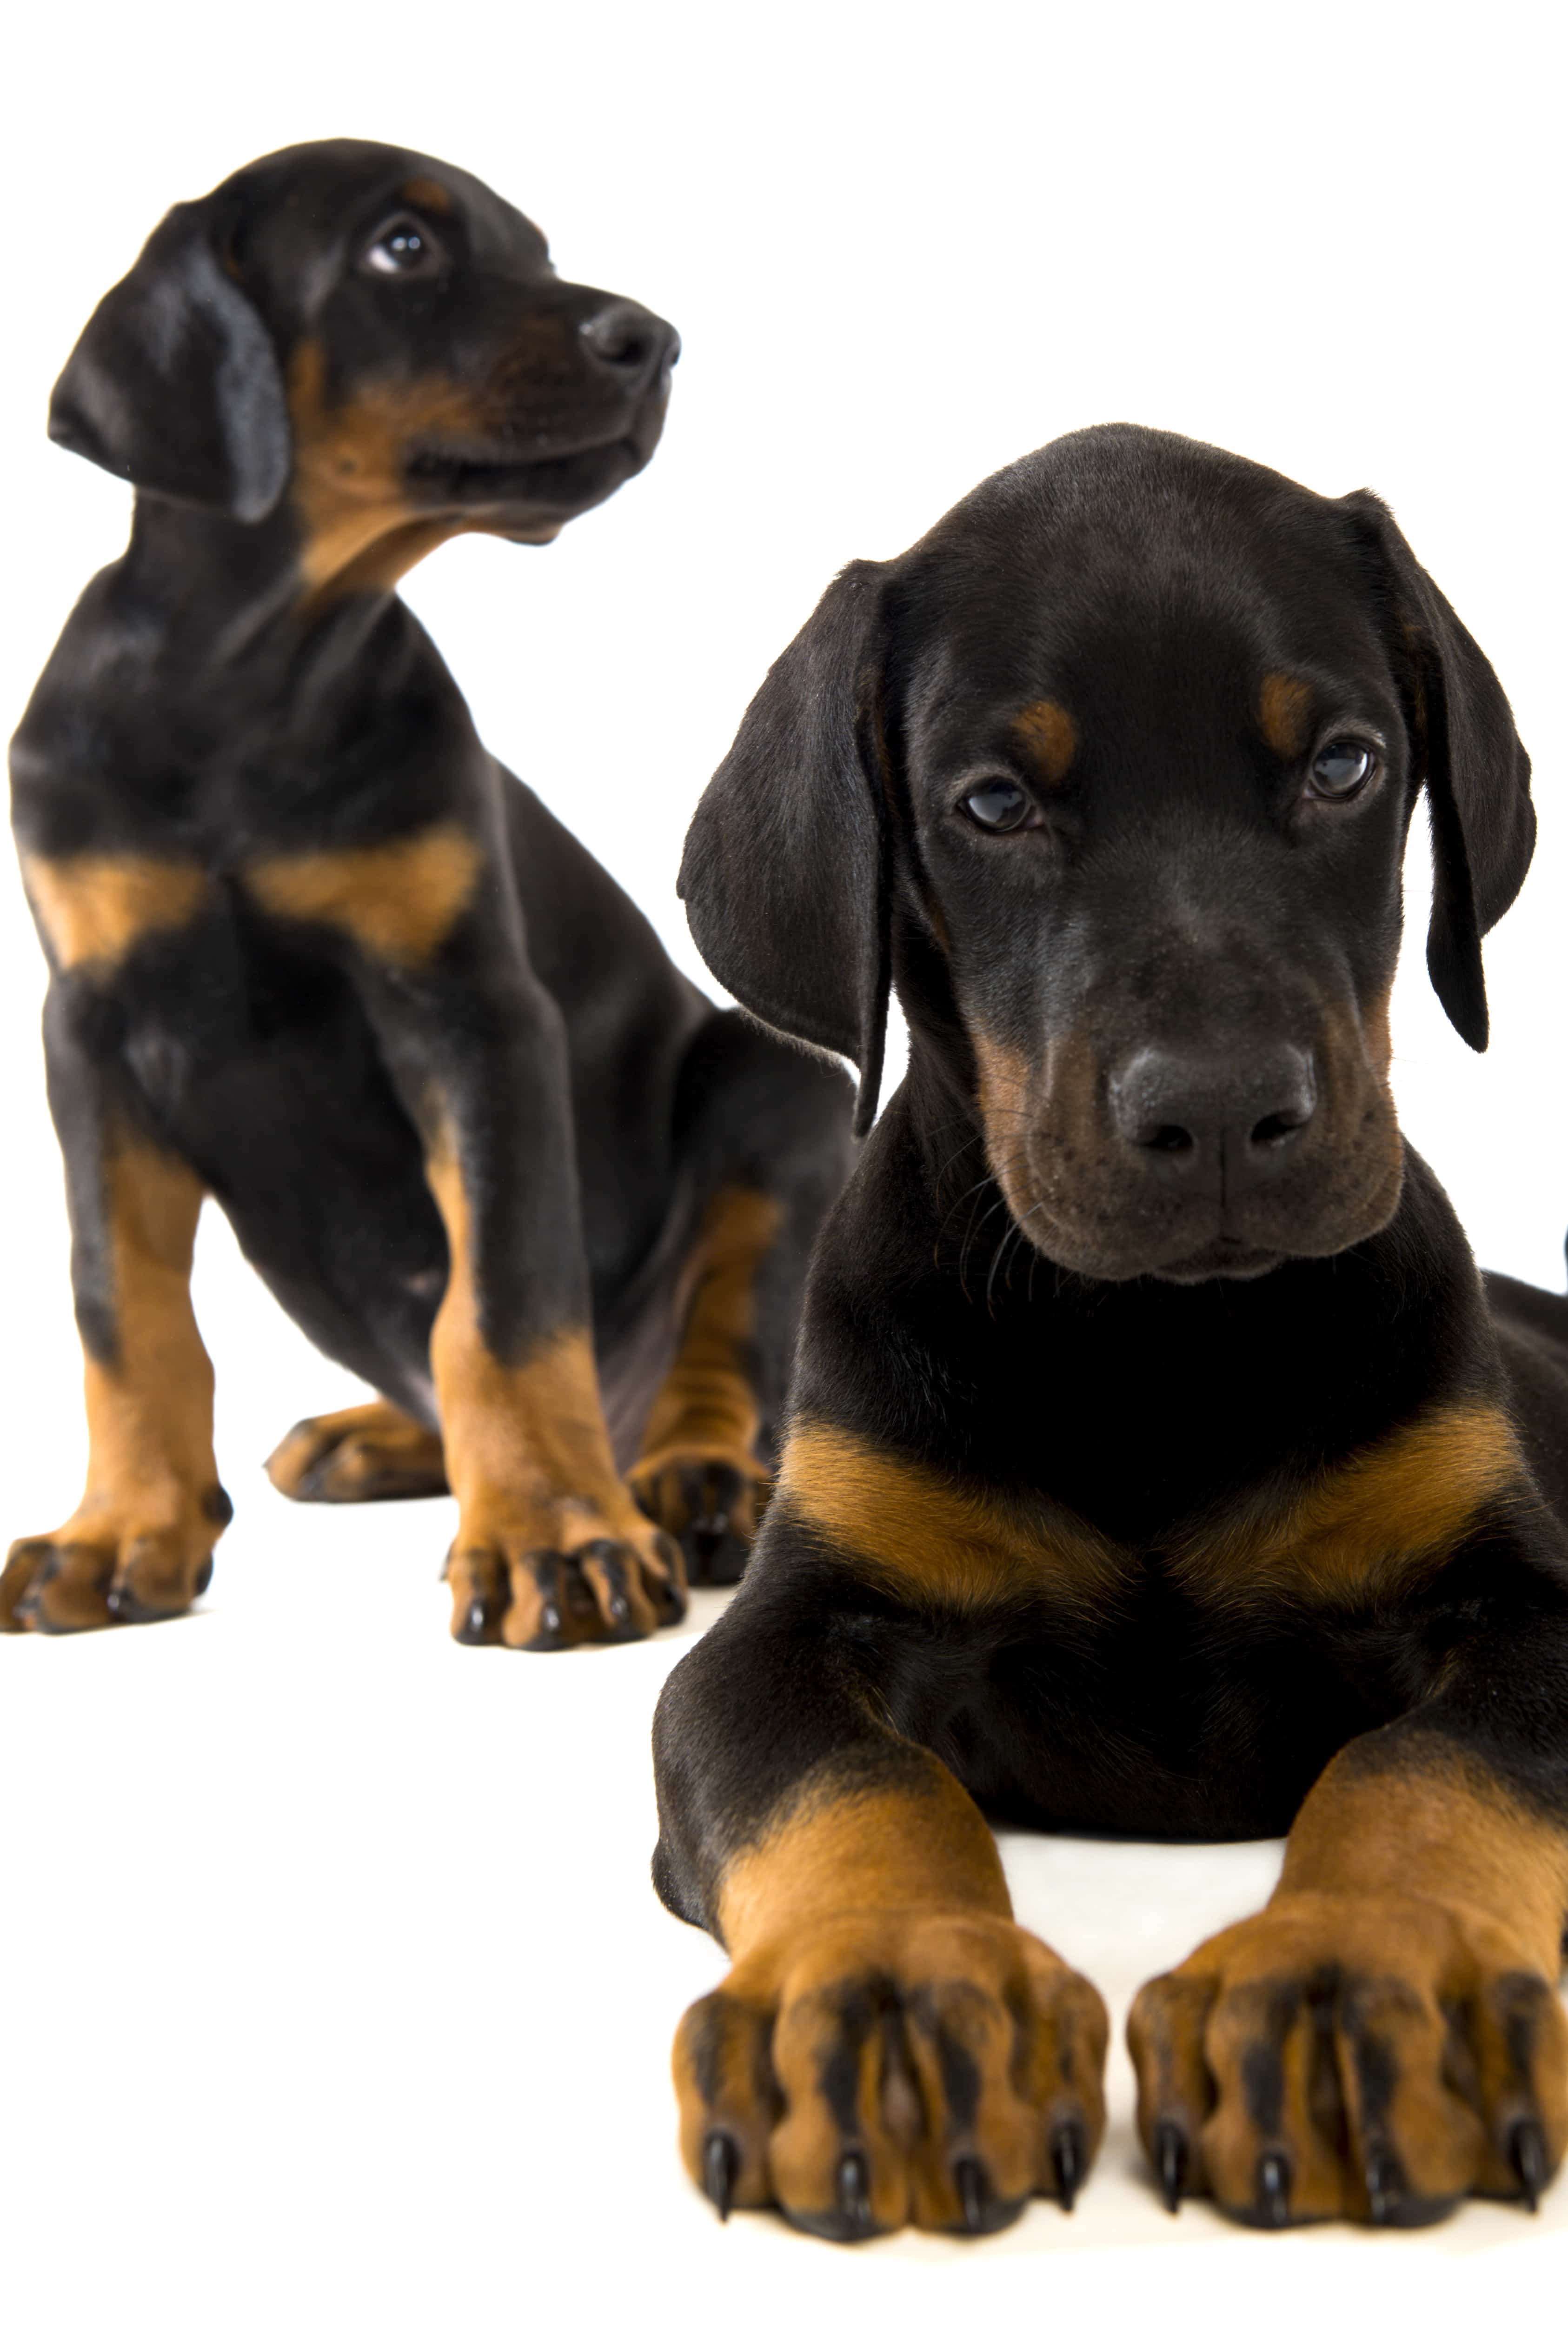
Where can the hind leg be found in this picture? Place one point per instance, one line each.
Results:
(373, 1452)
(766, 1130)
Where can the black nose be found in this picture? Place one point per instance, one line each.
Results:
(631, 342)
(1226, 1119)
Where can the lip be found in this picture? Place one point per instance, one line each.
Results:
(562, 484)
(1223, 1259)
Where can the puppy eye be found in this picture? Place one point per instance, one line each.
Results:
(997, 804)
(401, 247)
(1340, 769)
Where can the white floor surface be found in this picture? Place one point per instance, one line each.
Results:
(338, 2009)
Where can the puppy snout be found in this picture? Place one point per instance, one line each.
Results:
(1224, 1120)
(630, 342)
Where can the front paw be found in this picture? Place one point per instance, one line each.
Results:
(561, 1575)
(1350, 2057)
(710, 1504)
(142, 1561)
(895, 2067)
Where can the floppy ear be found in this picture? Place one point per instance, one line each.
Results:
(1475, 768)
(174, 384)
(785, 874)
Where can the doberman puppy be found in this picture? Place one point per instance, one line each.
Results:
(1158, 1463)
(312, 951)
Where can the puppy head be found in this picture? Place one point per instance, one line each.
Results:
(1111, 775)
(378, 336)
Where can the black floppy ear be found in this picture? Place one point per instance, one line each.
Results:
(1475, 768)
(785, 874)
(174, 384)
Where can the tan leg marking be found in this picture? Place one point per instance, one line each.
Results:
(698, 1475)
(1284, 710)
(1384, 2030)
(140, 1543)
(371, 1452)
(94, 909)
(399, 901)
(1395, 1510)
(889, 2046)
(931, 1536)
(542, 1511)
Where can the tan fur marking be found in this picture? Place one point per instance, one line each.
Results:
(1378, 1033)
(94, 909)
(152, 1509)
(897, 1895)
(832, 1852)
(932, 1536)
(1394, 1509)
(429, 194)
(1049, 736)
(706, 1406)
(398, 901)
(370, 1452)
(1436, 1826)
(361, 529)
(528, 1455)
(515, 1434)
(1284, 707)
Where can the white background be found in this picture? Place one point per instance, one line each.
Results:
(337, 2002)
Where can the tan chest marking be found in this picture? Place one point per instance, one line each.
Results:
(398, 901)
(1390, 1512)
(95, 909)
(931, 1536)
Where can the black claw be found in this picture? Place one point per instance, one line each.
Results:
(1274, 2189)
(1171, 2161)
(1069, 2161)
(973, 2191)
(720, 2168)
(1527, 2154)
(474, 1628)
(1384, 2189)
(853, 2186)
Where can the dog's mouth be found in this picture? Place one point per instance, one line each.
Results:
(553, 487)
(1227, 1258)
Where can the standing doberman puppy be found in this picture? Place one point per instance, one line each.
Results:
(1157, 1463)
(313, 952)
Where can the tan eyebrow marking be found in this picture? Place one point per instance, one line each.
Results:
(1048, 738)
(1285, 706)
(428, 193)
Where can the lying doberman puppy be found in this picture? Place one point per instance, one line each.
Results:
(313, 952)
(1157, 1463)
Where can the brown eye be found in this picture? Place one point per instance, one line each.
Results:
(1341, 769)
(401, 247)
(998, 804)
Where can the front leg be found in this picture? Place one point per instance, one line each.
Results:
(1386, 2036)
(550, 1548)
(889, 2047)
(139, 1544)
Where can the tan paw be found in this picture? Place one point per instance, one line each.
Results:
(895, 2067)
(560, 1576)
(1348, 2057)
(371, 1453)
(711, 1504)
(135, 1564)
